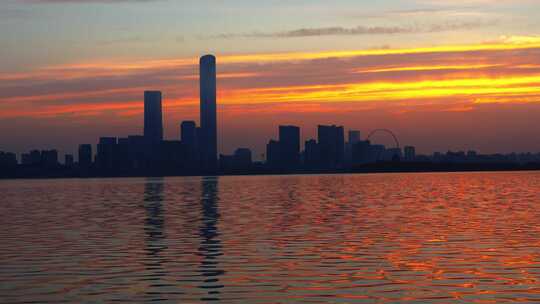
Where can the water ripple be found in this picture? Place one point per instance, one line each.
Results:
(385, 238)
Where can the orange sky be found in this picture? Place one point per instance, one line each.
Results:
(400, 89)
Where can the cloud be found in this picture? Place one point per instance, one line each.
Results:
(404, 87)
(438, 12)
(126, 40)
(361, 30)
(83, 1)
(483, 70)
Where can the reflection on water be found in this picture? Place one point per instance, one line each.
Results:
(153, 200)
(155, 237)
(391, 238)
(210, 248)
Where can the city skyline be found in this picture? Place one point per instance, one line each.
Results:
(458, 126)
(195, 150)
(275, 151)
(444, 75)
(153, 129)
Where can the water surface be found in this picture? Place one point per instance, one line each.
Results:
(385, 238)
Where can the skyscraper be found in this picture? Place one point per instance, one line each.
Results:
(312, 154)
(208, 142)
(273, 157)
(362, 153)
(85, 155)
(188, 133)
(105, 156)
(153, 119)
(354, 138)
(49, 158)
(289, 140)
(332, 145)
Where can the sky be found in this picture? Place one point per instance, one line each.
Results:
(443, 75)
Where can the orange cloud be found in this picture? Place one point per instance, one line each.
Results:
(504, 71)
(428, 68)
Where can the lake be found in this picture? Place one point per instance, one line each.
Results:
(385, 238)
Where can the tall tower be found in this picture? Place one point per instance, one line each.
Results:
(332, 144)
(153, 119)
(208, 142)
(289, 141)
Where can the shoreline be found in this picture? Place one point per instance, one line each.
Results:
(66, 173)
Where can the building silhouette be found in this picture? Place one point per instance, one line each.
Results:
(208, 139)
(289, 146)
(273, 154)
(188, 136)
(354, 136)
(69, 160)
(137, 152)
(85, 155)
(172, 156)
(43, 158)
(153, 117)
(243, 158)
(312, 154)
(49, 158)
(240, 161)
(377, 153)
(195, 152)
(8, 159)
(362, 153)
(331, 140)
(106, 148)
(122, 150)
(188, 133)
(410, 153)
(392, 154)
(31, 158)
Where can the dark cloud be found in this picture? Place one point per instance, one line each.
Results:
(362, 30)
(435, 10)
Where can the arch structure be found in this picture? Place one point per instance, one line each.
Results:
(387, 132)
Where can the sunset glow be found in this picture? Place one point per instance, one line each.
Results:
(241, 151)
(457, 65)
(257, 79)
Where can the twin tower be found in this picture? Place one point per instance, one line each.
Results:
(207, 138)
